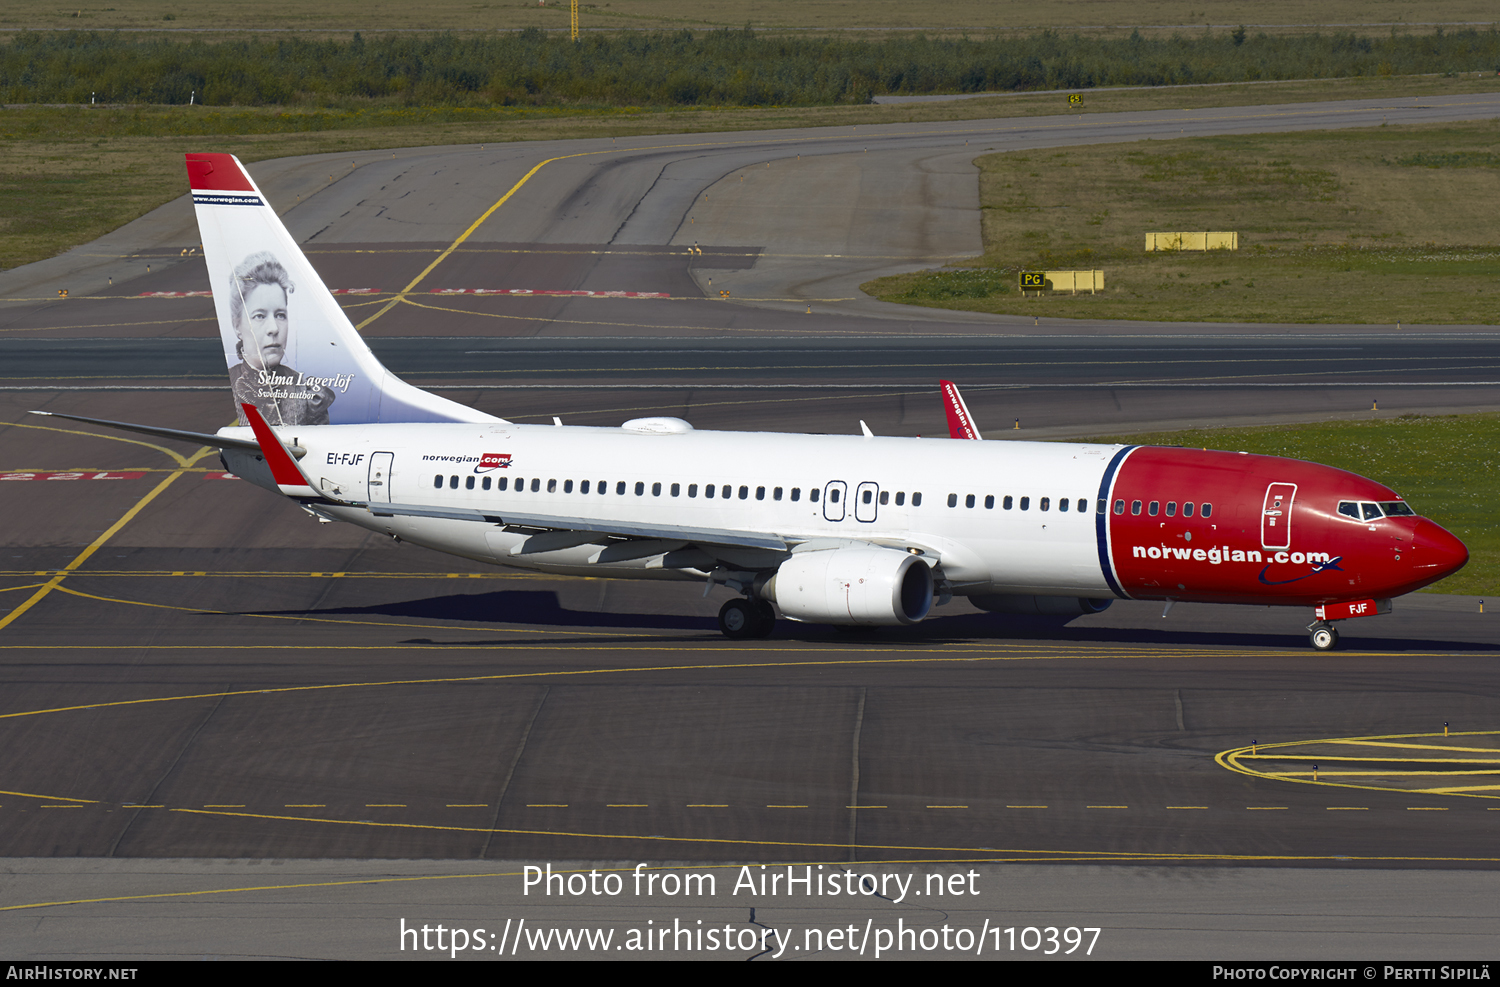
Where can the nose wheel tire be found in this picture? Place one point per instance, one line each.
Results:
(1323, 638)
(742, 619)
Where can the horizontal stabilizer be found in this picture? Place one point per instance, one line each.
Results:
(202, 438)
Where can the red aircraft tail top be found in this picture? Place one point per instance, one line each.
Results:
(960, 422)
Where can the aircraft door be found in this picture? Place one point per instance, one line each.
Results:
(1276, 516)
(866, 502)
(380, 476)
(834, 495)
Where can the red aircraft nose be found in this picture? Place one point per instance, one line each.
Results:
(1437, 553)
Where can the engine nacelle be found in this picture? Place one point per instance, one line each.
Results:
(853, 585)
(1058, 606)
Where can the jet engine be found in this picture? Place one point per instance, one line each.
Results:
(852, 585)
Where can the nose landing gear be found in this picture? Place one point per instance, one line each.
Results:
(1321, 632)
(1323, 636)
(741, 619)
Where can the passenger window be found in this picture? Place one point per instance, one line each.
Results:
(567, 486)
(692, 489)
(796, 494)
(1083, 505)
(760, 493)
(953, 500)
(504, 482)
(437, 482)
(1171, 508)
(1152, 509)
(916, 499)
(620, 488)
(708, 490)
(520, 485)
(1349, 508)
(536, 484)
(453, 483)
(724, 491)
(486, 483)
(776, 494)
(552, 486)
(1046, 502)
(1062, 503)
(1025, 503)
(1102, 506)
(656, 489)
(1135, 507)
(1207, 510)
(603, 486)
(812, 495)
(1007, 503)
(583, 486)
(676, 489)
(885, 496)
(989, 502)
(1187, 509)
(744, 493)
(969, 501)
(640, 488)
(900, 498)
(1372, 511)
(868, 497)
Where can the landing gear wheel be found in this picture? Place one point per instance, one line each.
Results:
(1324, 638)
(739, 619)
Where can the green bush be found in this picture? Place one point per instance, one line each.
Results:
(968, 283)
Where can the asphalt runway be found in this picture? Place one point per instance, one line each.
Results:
(195, 670)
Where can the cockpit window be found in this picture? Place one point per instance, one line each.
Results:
(1349, 508)
(1372, 511)
(1397, 508)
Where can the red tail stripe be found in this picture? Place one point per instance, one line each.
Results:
(217, 173)
(283, 470)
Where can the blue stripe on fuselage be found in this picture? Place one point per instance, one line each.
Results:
(1101, 520)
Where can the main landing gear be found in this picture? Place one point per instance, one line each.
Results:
(740, 619)
(1323, 636)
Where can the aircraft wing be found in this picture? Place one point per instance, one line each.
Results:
(547, 522)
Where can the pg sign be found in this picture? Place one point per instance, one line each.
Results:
(1033, 280)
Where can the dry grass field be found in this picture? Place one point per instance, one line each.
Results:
(1384, 225)
(819, 15)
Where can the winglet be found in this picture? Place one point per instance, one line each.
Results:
(960, 422)
(284, 470)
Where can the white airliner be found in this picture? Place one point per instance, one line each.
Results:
(852, 530)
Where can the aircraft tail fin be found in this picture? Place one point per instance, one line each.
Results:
(290, 349)
(960, 422)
